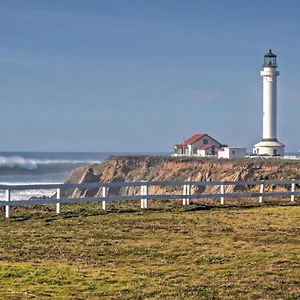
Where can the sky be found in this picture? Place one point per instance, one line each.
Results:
(141, 76)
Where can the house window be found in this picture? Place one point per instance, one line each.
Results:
(213, 150)
(194, 150)
(274, 152)
(205, 141)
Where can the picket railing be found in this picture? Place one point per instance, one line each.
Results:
(144, 195)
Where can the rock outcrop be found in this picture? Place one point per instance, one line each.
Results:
(160, 168)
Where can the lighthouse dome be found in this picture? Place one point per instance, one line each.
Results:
(270, 54)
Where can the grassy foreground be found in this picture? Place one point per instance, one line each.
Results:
(171, 253)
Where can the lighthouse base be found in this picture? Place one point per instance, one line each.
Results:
(268, 147)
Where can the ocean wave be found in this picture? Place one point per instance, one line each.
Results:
(18, 161)
(19, 165)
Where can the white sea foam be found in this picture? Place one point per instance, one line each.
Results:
(18, 161)
(27, 194)
(32, 164)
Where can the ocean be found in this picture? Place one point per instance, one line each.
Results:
(41, 167)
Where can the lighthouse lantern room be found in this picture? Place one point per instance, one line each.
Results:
(270, 60)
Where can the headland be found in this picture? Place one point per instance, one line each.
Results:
(165, 168)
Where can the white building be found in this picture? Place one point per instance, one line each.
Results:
(232, 152)
(198, 145)
(269, 144)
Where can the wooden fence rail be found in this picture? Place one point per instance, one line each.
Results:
(185, 196)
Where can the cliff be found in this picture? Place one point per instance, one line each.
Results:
(159, 168)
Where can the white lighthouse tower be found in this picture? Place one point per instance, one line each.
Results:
(269, 144)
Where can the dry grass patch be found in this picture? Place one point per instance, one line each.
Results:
(172, 253)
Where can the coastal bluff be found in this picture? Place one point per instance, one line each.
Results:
(166, 168)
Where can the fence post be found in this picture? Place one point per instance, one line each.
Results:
(184, 193)
(293, 190)
(188, 192)
(7, 207)
(144, 192)
(261, 191)
(222, 192)
(104, 195)
(58, 203)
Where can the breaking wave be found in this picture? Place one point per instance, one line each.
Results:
(41, 168)
(20, 165)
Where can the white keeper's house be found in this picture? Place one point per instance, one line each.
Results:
(200, 144)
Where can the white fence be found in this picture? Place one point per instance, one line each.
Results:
(186, 194)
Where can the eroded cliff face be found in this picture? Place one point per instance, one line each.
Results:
(157, 168)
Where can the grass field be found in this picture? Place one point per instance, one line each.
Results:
(174, 252)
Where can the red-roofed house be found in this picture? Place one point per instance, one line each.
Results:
(198, 145)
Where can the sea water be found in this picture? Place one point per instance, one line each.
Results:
(41, 168)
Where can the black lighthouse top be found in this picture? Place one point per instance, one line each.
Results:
(270, 59)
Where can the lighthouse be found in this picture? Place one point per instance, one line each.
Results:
(269, 144)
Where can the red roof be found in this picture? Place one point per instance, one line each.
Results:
(180, 146)
(205, 147)
(194, 138)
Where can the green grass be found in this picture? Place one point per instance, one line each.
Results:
(162, 253)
